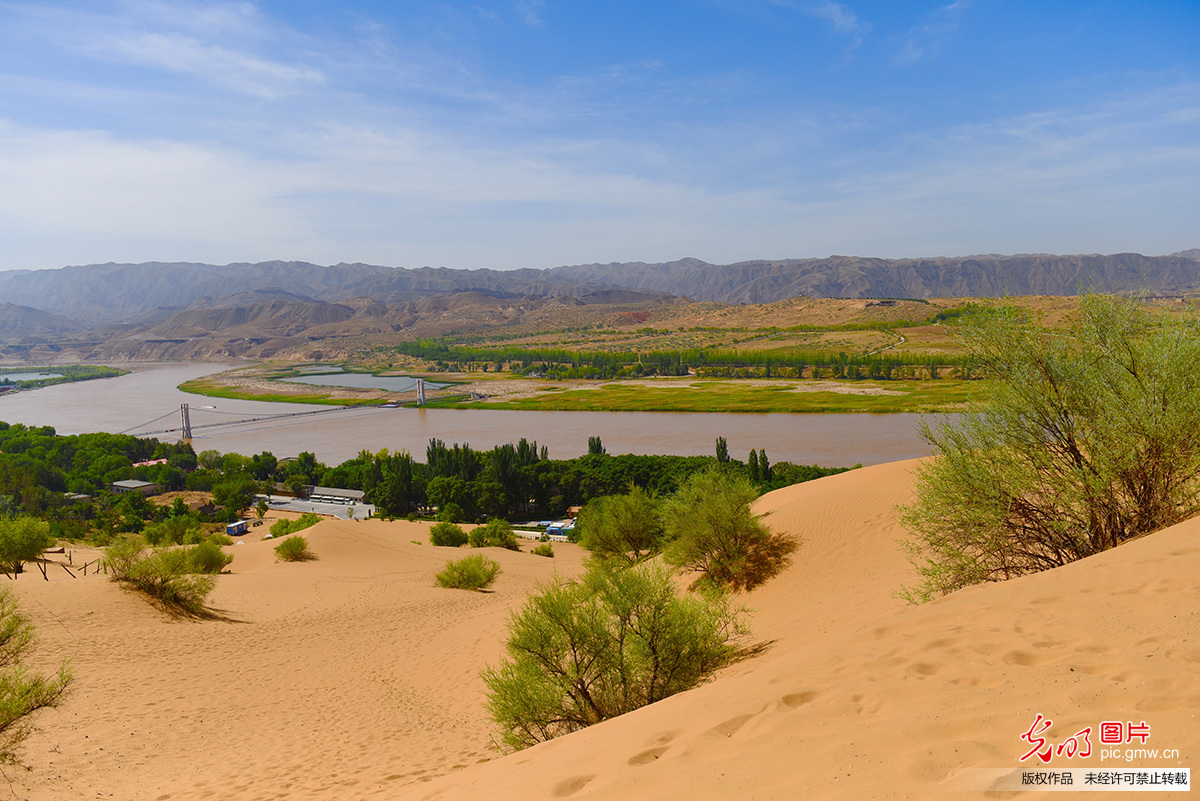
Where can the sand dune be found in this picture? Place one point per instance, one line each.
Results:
(353, 677)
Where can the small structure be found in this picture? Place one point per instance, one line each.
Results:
(560, 530)
(150, 463)
(346, 497)
(238, 528)
(573, 511)
(146, 488)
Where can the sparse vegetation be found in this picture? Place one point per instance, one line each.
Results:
(622, 528)
(167, 575)
(1086, 439)
(496, 533)
(713, 532)
(447, 535)
(207, 557)
(22, 539)
(22, 692)
(584, 651)
(292, 549)
(284, 527)
(545, 549)
(474, 572)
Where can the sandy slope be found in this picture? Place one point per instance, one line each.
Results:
(343, 677)
(861, 699)
(352, 677)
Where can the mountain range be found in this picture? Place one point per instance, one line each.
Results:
(162, 306)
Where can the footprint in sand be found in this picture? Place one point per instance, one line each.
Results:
(648, 756)
(923, 669)
(795, 700)
(731, 726)
(571, 786)
(1023, 658)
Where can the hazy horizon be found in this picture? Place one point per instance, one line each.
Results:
(608, 261)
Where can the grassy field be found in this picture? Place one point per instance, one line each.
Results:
(943, 395)
(213, 389)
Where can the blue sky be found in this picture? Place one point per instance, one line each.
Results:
(533, 133)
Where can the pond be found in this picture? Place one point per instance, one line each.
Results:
(14, 377)
(391, 383)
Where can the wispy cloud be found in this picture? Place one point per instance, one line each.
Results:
(843, 20)
(530, 11)
(185, 55)
(924, 42)
(221, 44)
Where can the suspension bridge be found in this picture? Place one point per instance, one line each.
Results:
(181, 422)
(187, 419)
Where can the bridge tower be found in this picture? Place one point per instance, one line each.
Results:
(185, 424)
(420, 391)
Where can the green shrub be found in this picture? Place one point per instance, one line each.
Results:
(1083, 440)
(713, 532)
(451, 512)
(496, 533)
(545, 549)
(292, 549)
(580, 652)
(623, 528)
(172, 531)
(282, 528)
(220, 538)
(164, 574)
(474, 572)
(447, 535)
(22, 539)
(207, 557)
(22, 692)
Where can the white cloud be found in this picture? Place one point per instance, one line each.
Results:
(209, 62)
(843, 20)
(925, 41)
(530, 11)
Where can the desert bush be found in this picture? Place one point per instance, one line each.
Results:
(122, 554)
(580, 652)
(1081, 442)
(496, 533)
(447, 535)
(172, 531)
(623, 528)
(292, 549)
(451, 512)
(164, 574)
(545, 549)
(219, 538)
(22, 692)
(284, 527)
(474, 572)
(713, 532)
(207, 557)
(22, 539)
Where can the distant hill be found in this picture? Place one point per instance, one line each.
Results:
(858, 277)
(24, 322)
(107, 294)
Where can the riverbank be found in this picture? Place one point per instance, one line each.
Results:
(661, 394)
(11, 376)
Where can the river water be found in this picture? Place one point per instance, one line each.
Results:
(149, 392)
